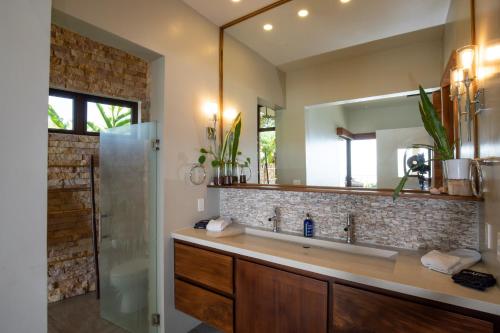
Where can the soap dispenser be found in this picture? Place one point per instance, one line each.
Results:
(308, 226)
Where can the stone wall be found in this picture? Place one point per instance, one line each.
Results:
(69, 231)
(80, 64)
(406, 223)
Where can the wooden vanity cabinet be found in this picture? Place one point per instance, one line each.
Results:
(272, 300)
(238, 294)
(358, 311)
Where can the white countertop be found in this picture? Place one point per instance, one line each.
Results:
(405, 274)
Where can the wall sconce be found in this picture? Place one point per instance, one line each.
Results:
(461, 79)
(211, 110)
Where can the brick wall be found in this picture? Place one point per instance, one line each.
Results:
(80, 64)
(69, 231)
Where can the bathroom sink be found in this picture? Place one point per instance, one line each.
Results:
(327, 244)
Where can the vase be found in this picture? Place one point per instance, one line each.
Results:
(227, 174)
(457, 176)
(218, 179)
(236, 173)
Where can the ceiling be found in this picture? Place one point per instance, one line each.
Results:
(383, 103)
(331, 25)
(221, 12)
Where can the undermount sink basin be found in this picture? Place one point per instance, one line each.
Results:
(327, 244)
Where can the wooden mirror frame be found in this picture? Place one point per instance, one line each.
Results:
(441, 100)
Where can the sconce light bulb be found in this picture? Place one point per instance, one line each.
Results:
(210, 109)
(466, 56)
(268, 27)
(230, 114)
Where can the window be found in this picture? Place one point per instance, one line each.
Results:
(76, 113)
(266, 145)
(364, 163)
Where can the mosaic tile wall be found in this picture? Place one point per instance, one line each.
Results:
(407, 223)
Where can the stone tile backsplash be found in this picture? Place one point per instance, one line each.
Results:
(406, 223)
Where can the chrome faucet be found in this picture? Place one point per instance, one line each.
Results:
(276, 219)
(349, 229)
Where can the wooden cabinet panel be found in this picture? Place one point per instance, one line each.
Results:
(358, 311)
(208, 268)
(271, 300)
(209, 307)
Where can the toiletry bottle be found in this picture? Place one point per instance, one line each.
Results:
(308, 226)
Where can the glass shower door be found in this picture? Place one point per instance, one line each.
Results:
(128, 243)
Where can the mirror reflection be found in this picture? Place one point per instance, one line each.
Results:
(327, 89)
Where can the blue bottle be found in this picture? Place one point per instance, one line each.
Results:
(308, 226)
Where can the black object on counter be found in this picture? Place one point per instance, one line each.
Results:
(476, 280)
(201, 224)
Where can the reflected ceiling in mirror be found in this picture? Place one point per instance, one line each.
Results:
(336, 83)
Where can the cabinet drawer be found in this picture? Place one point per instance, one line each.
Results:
(356, 310)
(209, 307)
(211, 269)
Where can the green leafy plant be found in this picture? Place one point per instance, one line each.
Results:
(57, 120)
(267, 152)
(228, 151)
(443, 148)
(116, 116)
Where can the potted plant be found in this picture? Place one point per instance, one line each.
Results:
(224, 156)
(443, 148)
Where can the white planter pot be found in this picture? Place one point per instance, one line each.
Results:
(457, 169)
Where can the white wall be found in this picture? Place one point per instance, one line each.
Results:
(24, 84)
(488, 35)
(325, 151)
(189, 45)
(458, 29)
(248, 78)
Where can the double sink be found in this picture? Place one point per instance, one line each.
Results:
(326, 244)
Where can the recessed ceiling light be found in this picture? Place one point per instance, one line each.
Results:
(235, 0)
(303, 13)
(345, 1)
(268, 27)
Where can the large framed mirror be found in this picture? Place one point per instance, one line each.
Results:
(327, 89)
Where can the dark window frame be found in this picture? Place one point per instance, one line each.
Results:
(260, 130)
(80, 101)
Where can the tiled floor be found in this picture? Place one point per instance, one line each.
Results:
(79, 315)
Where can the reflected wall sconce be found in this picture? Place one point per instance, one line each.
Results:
(461, 79)
(211, 110)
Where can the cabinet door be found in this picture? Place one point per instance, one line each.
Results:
(358, 311)
(271, 300)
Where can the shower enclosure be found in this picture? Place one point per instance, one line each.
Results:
(128, 227)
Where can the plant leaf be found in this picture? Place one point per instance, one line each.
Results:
(106, 119)
(57, 119)
(202, 159)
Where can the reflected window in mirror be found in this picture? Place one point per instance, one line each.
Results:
(266, 144)
(363, 158)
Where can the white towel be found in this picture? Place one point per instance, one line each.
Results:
(451, 262)
(218, 225)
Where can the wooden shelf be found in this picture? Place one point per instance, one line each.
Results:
(410, 194)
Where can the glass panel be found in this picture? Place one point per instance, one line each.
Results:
(128, 248)
(364, 163)
(60, 114)
(267, 117)
(267, 157)
(102, 116)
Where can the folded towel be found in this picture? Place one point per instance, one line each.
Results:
(439, 261)
(218, 225)
(451, 262)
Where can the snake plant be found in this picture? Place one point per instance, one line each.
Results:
(443, 148)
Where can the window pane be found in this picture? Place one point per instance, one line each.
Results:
(267, 117)
(102, 116)
(267, 157)
(364, 163)
(60, 113)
